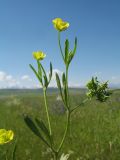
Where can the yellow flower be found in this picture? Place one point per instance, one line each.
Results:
(6, 136)
(60, 25)
(39, 55)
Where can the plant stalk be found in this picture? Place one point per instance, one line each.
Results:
(68, 104)
(60, 45)
(65, 133)
(47, 113)
(67, 99)
(79, 105)
(55, 155)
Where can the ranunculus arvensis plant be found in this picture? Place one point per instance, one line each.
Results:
(95, 89)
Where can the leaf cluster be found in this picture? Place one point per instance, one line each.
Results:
(69, 54)
(98, 90)
(41, 74)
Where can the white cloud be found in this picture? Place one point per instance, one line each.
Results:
(26, 77)
(25, 81)
(8, 81)
(3, 76)
(6, 77)
(9, 77)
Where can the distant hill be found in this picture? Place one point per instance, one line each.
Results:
(7, 92)
(25, 92)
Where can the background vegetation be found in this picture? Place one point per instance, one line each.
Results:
(95, 131)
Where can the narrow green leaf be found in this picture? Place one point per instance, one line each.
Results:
(75, 46)
(72, 53)
(50, 74)
(64, 87)
(35, 72)
(45, 81)
(34, 129)
(66, 50)
(59, 86)
(32, 126)
(43, 69)
(58, 82)
(44, 76)
(42, 126)
(63, 80)
(70, 57)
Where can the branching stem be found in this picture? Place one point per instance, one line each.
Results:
(67, 100)
(82, 103)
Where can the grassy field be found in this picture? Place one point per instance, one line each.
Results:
(95, 131)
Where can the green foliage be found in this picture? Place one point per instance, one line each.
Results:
(34, 128)
(43, 127)
(68, 55)
(72, 53)
(66, 51)
(98, 90)
(41, 74)
(94, 133)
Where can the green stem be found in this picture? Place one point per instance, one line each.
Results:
(60, 45)
(79, 105)
(55, 155)
(68, 124)
(47, 113)
(65, 133)
(67, 88)
(6, 157)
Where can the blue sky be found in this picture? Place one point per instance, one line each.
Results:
(26, 26)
